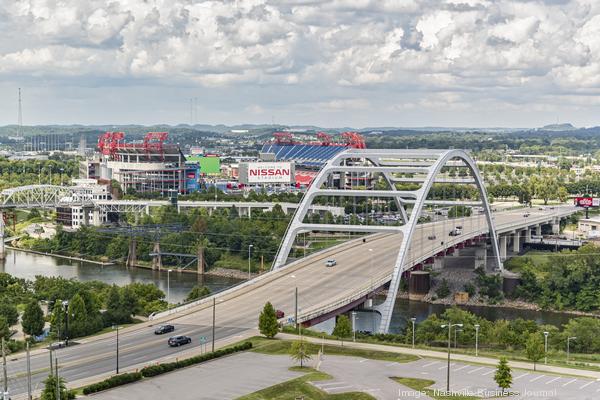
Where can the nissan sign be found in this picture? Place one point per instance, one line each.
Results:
(587, 202)
(267, 172)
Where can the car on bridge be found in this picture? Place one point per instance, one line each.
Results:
(164, 329)
(456, 231)
(176, 341)
(330, 263)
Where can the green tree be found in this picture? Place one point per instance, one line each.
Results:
(33, 319)
(50, 386)
(267, 321)
(4, 328)
(9, 311)
(534, 348)
(197, 292)
(299, 352)
(79, 321)
(503, 375)
(343, 328)
(57, 320)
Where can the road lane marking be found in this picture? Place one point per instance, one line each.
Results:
(362, 361)
(475, 370)
(521, 376)
(445, 366)
(568, 383)
(537, 377)
(552, 380)
(430, 364)
(487, 373)
(463, 367)
(587, 384)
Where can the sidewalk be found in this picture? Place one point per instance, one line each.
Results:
(455, 357)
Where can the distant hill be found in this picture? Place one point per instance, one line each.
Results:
(558, 127)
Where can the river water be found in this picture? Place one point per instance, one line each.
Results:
(28, 265)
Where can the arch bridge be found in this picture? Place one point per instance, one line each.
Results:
(418, 168)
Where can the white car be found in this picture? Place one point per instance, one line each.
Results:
(330, 263)
(456, 232)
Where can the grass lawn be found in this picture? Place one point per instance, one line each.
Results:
(274, 346)
(422, 385)
(300, 388)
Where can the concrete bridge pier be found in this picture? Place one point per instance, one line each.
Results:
(132, 254)
(556, 226)
(503, 246)
(517, 242)
(157, 258)
(481, 256)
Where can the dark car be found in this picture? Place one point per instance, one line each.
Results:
(279, 314)
(179, 340)
(164, 329)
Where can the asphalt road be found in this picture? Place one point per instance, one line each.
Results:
(238, 312)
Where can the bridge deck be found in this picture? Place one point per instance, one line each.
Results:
(323, 289)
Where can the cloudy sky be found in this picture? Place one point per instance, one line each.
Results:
(330, 63)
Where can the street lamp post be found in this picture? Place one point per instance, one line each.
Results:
(569, 346)
(546, 347)
(169, 285)
(449, 326)
(354, 326)
(65, 305)
(117, 329)
(250, 246)
(476, 340)
(455, 332)
(413, 320)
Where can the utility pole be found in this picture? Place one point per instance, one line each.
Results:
(4, 374)
(29, 397)
(213, 325)
(296, 307)
(57, 379)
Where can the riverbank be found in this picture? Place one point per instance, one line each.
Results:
(218, 272)
(41, 253)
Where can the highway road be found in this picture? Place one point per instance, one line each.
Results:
(359, 265)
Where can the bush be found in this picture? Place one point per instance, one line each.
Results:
(112, 382)
(470, 289)
(153, 370)
(443, 290)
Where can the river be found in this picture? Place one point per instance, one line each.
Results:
(28, 265)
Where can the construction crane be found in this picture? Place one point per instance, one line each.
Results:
(284, 138)
(153, 142)
(353, 139)
(324, 138)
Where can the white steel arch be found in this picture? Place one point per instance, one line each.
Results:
(426, 164)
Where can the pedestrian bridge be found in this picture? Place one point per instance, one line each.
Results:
(389, 250)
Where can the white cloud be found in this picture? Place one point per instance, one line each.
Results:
(508, 49)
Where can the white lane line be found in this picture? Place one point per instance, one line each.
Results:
(587, 384)
(552, 380)
(487, 373)
(475, 370)
(430, 364)
(521, 376)
(362, 361)
(536, 378)
(329, 384)
(391, 364)
(568, 383)
(344, 388)
(463, 367)
(445, 366)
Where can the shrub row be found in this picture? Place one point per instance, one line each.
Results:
(158, 369)
(112, 382)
